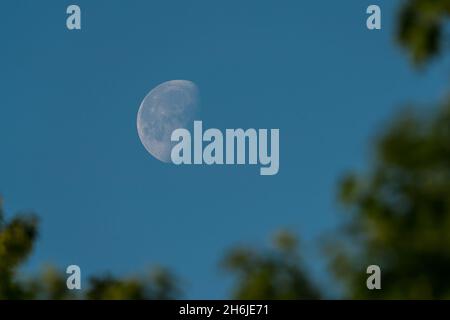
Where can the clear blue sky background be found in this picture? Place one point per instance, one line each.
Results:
(69, 149)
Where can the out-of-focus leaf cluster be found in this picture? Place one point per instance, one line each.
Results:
(400, 212)
(422, 28)
(17, 238)
(270, 274)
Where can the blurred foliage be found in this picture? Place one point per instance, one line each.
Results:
(271, 274)
(159, 285)
(50, 284)
(16, 243)
(422, 28)
(399, 212)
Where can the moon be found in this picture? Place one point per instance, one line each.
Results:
(171, 105)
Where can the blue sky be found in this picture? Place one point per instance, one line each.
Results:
(71, 153)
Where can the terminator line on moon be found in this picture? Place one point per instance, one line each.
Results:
(169, 106)
(168, 112)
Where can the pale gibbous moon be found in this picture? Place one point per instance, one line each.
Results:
(171, 105)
